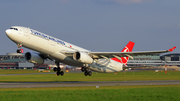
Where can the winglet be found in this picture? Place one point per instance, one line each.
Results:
(170, 50)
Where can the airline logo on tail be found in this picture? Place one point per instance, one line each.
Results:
(127, 48)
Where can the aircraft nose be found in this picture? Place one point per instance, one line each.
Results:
(8, 32)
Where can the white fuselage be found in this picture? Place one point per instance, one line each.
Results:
(54, 48)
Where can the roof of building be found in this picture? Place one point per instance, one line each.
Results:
(172, 54)
(15, 54)
(13, 60)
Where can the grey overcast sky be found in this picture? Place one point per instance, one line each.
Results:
(96, 25)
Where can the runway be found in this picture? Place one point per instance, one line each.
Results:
(79, 84)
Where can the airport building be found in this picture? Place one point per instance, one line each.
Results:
(12, 56)
(172, 59)
(17, 61)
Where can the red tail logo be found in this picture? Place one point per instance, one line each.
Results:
(127, 48)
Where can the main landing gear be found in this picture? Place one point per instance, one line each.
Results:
(86, 71)
(58, 70)
(19, 50)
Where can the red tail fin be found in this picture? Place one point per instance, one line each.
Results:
(127, 48)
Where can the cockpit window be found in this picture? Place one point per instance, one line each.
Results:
(14, 28)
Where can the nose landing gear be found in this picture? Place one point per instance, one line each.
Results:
(19, 50)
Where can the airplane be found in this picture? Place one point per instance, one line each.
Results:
(59, 51)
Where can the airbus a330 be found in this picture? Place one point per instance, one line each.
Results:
(59, 51)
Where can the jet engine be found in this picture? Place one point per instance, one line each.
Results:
(82, 57)
(34, 58)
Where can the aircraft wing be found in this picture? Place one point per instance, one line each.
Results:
(127, 54)
(96, 55)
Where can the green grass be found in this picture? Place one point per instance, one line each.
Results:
(17, 71)
(111, 93)
(120, 76)
(103, 93)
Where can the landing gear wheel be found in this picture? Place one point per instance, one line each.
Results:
(58, 69)
(58, 73)
(18, 51)
(55, 69)
(90, 73)
(62, 73)
(86, 73)
(83, 69)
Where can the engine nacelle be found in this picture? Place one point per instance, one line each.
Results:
(34, 58)
(82, 57)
